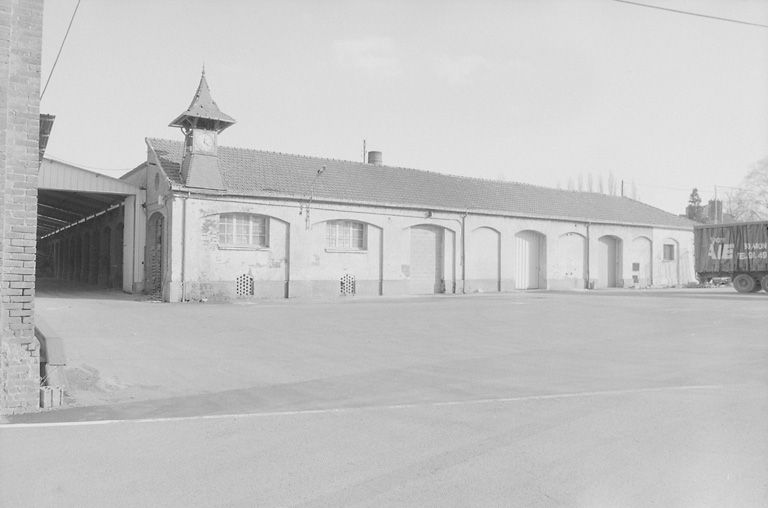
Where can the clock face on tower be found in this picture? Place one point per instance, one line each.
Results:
(204, 141)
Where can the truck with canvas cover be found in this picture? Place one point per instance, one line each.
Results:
(737, 250)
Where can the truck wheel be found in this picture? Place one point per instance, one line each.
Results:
(744, 283)
(764, 283)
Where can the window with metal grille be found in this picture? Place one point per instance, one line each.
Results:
(244, 285)
(347, 284)
(669, 252)
(243, 229)
(346, 235)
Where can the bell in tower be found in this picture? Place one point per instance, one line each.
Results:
(201, 123)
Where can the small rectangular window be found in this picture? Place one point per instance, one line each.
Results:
(669, 252)
(346, 235)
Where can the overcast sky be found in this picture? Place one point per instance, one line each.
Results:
(529, 91)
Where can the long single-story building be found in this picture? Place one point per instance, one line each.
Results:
(216, 222)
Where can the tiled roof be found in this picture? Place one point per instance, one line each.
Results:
(260, 173)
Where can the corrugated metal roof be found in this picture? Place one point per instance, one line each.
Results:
(57, 175)
(270, 174)
(67, 194)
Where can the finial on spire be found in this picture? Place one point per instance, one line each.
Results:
(203, 69)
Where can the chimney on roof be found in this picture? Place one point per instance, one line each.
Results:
(375, 158)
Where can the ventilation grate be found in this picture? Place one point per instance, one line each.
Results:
(244, 285)
(347, 284)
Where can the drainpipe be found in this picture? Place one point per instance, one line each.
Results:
(287, 289)
(134, 257)
(381, 262)
(463, 252)
(587, 256)
(184, 247)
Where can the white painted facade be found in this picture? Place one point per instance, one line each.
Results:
(357, 236)
(407, 251)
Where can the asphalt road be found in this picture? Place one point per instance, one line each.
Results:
(614, 398)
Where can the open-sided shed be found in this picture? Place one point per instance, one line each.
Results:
(86, 226)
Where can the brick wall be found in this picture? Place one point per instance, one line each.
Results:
(20, 49)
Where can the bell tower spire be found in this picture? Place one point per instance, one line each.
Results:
(201, 123)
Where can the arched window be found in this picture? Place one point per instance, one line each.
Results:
(243, 230)
(346, 235)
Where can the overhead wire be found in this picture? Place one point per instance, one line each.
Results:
(61, 47)
(689, 13)
(700, 15)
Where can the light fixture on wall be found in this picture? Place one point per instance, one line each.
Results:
(310, 195)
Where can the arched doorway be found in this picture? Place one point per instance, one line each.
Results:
(105, 261)
(85, 264)
(154, 268)
(530, 260)
(427, 260)
(484, 268)
(67, 259)
(609, 259)
(571, 260)
(641, 255)
(118, 254)
(93, 269)
(670, 262)
(78, 263)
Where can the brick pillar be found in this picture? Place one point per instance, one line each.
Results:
(21, 23)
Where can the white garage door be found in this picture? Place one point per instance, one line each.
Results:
(641, 261)
(529, 262)
(483, 266)
(426, 276)
(609, 262)
(571, 253)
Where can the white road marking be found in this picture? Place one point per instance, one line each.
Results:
(410, 405)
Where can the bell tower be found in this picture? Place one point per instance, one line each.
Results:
(201, 124)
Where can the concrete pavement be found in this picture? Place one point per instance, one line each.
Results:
(536, 399)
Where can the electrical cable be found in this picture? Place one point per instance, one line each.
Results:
(678, 11)
(61, 46)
